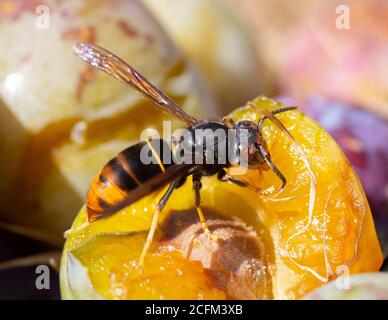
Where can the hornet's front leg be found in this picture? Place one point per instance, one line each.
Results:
(271, 116)
(223, 176)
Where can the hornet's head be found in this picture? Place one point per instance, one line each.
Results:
(252, 150)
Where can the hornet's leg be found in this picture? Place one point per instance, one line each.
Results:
(223, 176)
(197, 185)
(270, 116)
(268, 160)
(159, 207)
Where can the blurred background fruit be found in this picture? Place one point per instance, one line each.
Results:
(270, 23)
(61, 120)
(368, 286)
(351, 65)
(211, 36)
(18, 270)
(296, 251)
(305, 51)
(363, 137)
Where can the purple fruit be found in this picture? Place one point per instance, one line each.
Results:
(363, 136)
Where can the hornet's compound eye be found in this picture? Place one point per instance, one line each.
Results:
(249, 142)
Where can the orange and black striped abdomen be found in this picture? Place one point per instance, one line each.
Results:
(124, 177)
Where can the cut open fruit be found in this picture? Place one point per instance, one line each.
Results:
(286, 245)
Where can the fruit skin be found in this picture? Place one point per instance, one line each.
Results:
(300, 256)
(367, 286)
(60, 121)
(363, 137)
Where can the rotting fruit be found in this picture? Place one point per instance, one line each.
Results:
(269, 248)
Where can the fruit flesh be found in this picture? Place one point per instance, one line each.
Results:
(301, 252)
(198, 268)
(363, 136)
(166, 274)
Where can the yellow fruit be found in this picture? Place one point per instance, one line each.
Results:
(297, 250)
(125, 280)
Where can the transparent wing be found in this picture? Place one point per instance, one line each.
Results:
(117, 68)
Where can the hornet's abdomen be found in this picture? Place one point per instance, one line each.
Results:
(124, 173)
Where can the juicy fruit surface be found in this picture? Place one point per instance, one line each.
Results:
(302, 249)
(363, 136)
(165, 273)
(339, 232)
